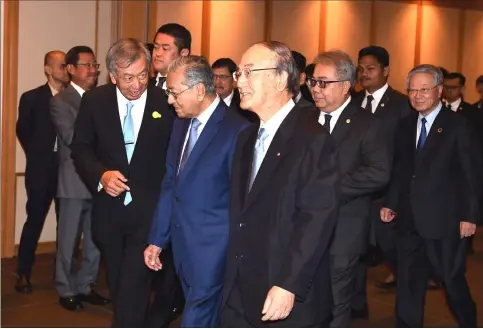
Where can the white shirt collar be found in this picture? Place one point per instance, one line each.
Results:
(229, 98)
(377, 96)
(431, 116)
(334, 114)
(123, 100)
(456, 104)
(53, 90)
(159, 75)
(78, 89)
(206, 114)
(298, 97)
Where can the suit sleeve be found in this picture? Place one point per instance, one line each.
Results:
(374, 170)
(24, 121)
(316, 207)
(160, 233)
(62, 119)
(469, 154)
(391, 199)
(84, 144)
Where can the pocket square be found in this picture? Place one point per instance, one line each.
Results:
(156, 115)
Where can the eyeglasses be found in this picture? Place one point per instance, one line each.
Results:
(321, 83)
(222, 77)
(422, 91)
(247, 72)
(90, 65)
(175, 95)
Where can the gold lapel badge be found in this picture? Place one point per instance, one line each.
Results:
(156, 115)
(440, 130)
(278, 154)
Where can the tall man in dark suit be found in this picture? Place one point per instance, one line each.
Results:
(119, 150)
(479, 88)
(434, 197)
(283, 203)
(364, 165)
(389, 106)
(74, 286)
(170, 42)
(197, 182)
(36, 134)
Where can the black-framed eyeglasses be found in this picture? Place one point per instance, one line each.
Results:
(90, 65)
(247, 72)
(321, 83)
(175, 95)
(222, 77)
(422, 91)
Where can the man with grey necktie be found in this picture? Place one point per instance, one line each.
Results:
(119, 149)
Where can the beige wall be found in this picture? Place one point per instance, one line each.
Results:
(44, 26)
(472, 63)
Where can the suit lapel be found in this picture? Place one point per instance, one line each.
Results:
(384, 102)
(247, 140)
(180, 129)
(275, 153)
(113, 124)
(435, 134)
(207, 135)
(343, 125)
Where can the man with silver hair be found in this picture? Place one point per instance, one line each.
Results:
(434, 196)
(283, 202)
(193, 210)
(364, 165)
(119, 148)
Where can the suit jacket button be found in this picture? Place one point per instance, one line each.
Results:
(242, 225)
(414, 176)
(177, 199)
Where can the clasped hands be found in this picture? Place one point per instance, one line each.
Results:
(467, 229)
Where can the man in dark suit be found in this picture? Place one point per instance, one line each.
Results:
(479, 88)
(36, 135)
(74, 287)
(389, 107)
(301, 62)
(283, 203)
(170, 42)
(225, 85)
(119, 150)
(197, 181)
(364, 165)
(434, 197)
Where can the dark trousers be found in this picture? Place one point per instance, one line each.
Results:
(168, 294)
(41, 188)
(447, 258)
(233, 315)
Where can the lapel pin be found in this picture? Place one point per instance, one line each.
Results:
(278, 154)
(382, 105)
(348, 121)
(440, 130)
(156, 115)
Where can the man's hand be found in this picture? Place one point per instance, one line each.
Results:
(113, 183)
(387, 215)
(467, 229)
(151, 257)
(278, 304)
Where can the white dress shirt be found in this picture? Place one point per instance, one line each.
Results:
(272, 125)
(137, 111)
(455, 105)
(159, 75)
(377, 97)
(335, 115)
(203, 118)
(228, 98)
(429, 121)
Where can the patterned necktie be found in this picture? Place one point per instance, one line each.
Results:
(368, 107)
(258, 156)
(128, 132)
(327, 122)
(422, 135)
(193, 137)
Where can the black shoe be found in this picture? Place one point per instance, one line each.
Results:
(23, 285)
(71, 303)
(386, 285)
(360, 314)
(93, 298)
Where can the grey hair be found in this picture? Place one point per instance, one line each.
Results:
(284, 62)
(124, 53)
(435, 72)
(196, 70)
(344, 65)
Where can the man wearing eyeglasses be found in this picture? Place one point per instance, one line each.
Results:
(284, 198)
(434, 196)
(364, 164)
(119, 150)
(36, 135)
(74, 287)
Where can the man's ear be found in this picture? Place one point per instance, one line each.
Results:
(302, 78)
(385, 71)
(113, 79)
(48, 70)
(184, 52)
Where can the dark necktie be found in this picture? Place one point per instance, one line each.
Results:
(327, 122)
(368, 107)
(193, 137)
(161, 81)
(422, 135)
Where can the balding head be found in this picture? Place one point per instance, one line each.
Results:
(54, 67)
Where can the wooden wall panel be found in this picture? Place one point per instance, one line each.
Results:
(472, 59)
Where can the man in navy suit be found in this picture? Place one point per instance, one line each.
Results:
(193, 209)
